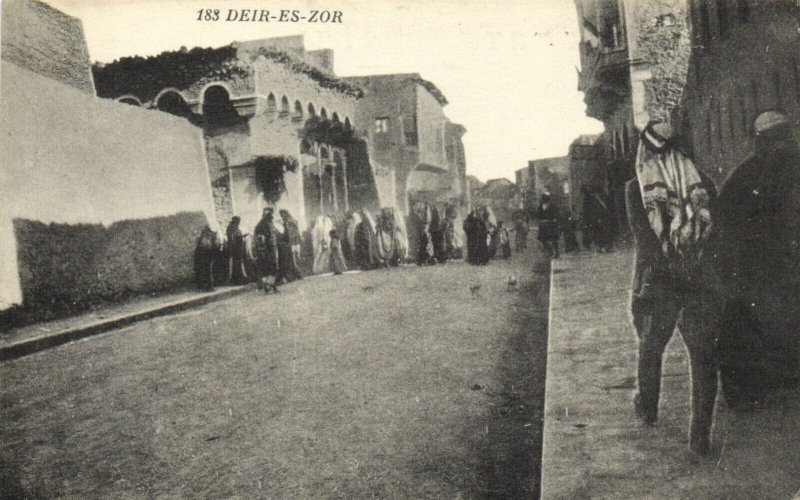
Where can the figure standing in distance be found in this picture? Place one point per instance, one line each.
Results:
(670, 206)
(759, 248)
(237, 254)
(267, 250)
(521, 233)
(338, 265)
(548, 226)
(287, 257)
(205, 255)
(470, 228)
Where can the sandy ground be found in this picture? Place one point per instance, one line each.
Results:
(401, 383)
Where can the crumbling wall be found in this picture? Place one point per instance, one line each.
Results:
(48, 42)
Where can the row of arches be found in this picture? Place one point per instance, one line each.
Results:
(216, 102)
(298, 111)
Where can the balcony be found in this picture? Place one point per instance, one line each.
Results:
(604, 79)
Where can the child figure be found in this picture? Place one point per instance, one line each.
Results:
(338, 265)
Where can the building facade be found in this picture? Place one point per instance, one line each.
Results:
(416, 152)
(634, 64)
(278, 123)
(745, 60)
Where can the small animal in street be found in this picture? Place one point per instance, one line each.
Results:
(512, 282)
(368, 289)
(475, 289)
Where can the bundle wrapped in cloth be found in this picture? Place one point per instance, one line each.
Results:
(674, 196)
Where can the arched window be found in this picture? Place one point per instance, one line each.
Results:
(217, 103)
(172, 102)
(298, 111)
(324, 154)
(272, 104)
(323, 113)
(284, 106)
(311, 110)
(306, 148)
(335, 119)
(347, 125)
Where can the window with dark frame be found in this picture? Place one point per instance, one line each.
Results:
(410, 130)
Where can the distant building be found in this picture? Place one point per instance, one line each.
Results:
(416, 152)
(278, 124)
(502, 195)
(552, 175)
(526, 182)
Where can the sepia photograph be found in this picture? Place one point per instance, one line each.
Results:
(400, 249)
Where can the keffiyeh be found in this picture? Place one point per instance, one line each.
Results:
(674, 197)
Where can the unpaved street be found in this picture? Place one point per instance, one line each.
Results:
(408, 382)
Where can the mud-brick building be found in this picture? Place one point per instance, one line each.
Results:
(416, 152)
(277, 122)
(634, 62)
(100, 200)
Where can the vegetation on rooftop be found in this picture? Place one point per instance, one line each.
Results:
(144, 77)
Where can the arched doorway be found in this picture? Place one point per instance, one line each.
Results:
(173, 103)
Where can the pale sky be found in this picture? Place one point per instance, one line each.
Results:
(507, 68)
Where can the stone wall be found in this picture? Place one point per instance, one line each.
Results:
(756, 67)
(74, 160)
(660, 45)
(46, 41)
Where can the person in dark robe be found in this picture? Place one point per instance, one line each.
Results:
(206, 255)
(521, 233)
(471, 234)
(548, 226)
(759, 231)
(420, 224)
(603, 223)
(437, 228)
(266, 250)
(237, 254)
(484, 226)
(289, 244)
(670, 206)
(338, 265)
(568, 231)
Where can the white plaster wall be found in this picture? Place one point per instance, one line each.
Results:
(69, 157)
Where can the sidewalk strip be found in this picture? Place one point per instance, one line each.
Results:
(32, 345)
